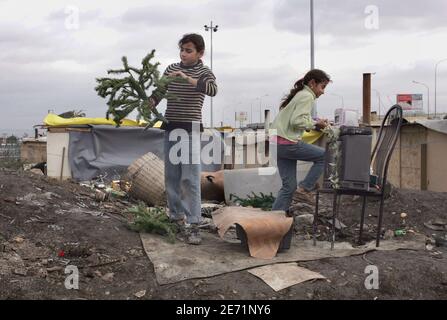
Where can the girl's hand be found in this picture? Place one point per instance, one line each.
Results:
(151, 104)
(184, 76)
(321, 124)
(178, 74)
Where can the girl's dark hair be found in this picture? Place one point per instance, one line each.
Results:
(195, 38)
(315, 74)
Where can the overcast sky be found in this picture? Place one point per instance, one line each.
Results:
(52, 51)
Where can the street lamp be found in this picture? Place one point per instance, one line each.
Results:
(211, 28)
(428, 96)
(260, 107)
(342, 101)
(378, 97)
(436, 71)
(251, 109)
(312, 53)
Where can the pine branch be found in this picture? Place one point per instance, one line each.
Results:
(129, 92)
(152, 220)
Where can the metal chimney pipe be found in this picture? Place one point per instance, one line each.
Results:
(367, 98)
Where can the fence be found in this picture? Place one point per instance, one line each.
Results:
(9, 151)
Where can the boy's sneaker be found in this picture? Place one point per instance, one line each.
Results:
(192, 234)
(179, 224)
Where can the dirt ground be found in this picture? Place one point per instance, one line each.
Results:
(46, 225)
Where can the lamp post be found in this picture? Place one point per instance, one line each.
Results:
(340, 96)
(312, 53)
(378, 98)
(436, 73)
(211, 28)
(428, 96)
(260, 107)
(251, 109)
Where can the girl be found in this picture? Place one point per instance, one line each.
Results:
(294, 118)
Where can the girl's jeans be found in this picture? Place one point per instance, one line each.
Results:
(182, 175)
(287, 156)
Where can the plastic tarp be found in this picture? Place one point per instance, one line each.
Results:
(54, 120)
(108, 151)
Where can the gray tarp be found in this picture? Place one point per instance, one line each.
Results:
(107, 150)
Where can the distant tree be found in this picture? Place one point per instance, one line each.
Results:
(12, 139)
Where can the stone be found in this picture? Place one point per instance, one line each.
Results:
(304, 219)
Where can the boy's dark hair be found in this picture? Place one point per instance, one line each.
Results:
(315, 74)
(195, 38)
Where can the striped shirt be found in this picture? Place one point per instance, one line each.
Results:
(186, 101)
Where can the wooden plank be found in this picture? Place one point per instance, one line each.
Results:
(66, 129)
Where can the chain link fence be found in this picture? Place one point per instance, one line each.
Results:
(10, 155)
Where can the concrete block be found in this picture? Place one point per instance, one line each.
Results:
(242, 182)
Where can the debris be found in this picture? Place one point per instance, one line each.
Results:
(18, 239)
(4, 216)
(441, 242)
(140, 294)
(433, 226)
(55, 227)
(56, 268)
(338, 224)
(367, 260)
(208, 208)
(403, 216)
(400, 232)
(304, 219)
(108, 276)
(20, 272)
(389, 234)
(100, 195)
(439, 222)
(9, 199)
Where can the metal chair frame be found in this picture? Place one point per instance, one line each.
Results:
(380, 158)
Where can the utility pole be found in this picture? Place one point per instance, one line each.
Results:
(436, 73)
(211, 28)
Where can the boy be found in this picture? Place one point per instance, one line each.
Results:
(184, 115)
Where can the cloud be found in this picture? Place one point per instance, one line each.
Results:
(261, 48)
(347, 18)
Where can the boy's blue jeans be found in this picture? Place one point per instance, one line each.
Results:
(287, 156)
(182, 176)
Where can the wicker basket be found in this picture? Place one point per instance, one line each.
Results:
(147, 178)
